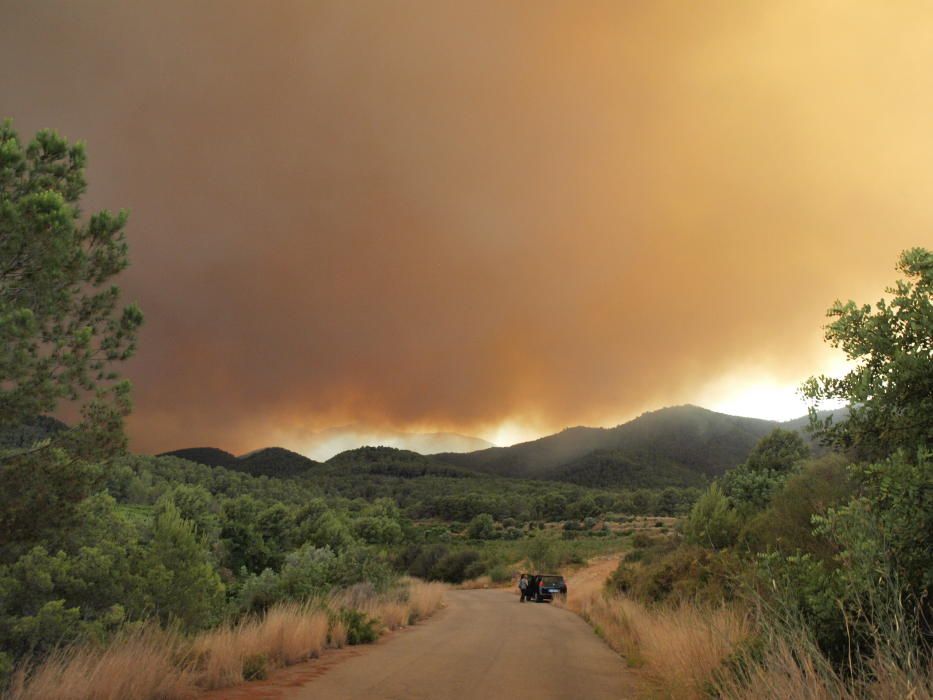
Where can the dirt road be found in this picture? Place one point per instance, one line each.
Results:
(485, 645)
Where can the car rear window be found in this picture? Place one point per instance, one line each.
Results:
(552, 580)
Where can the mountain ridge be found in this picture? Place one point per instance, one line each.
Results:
(683, 445)
(673, 446)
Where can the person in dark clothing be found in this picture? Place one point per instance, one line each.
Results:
(533, 584)
(523, 587)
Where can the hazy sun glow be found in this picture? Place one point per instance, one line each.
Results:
(510, 433)
(758, 395)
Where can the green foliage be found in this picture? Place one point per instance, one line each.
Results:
(82, 589)
(658, 449)
(807, 593)
(890, 391)
(311, 572)
(751, 485)
(887, 527)
(6, 669)
(778, 451)
(482, 527)
(713, 522)
(668, 573)
(787, 523)
(40, 494)
(500, 574)
(543, 555)
(195, 504)
(622, 469)
(458, 567)
(60, 328)
(181, 582)
(438, 563)
(61, 333)
(361, 629)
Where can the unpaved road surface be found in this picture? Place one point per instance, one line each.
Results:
(485, 645)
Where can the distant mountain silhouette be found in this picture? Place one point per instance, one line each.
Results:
(681, 445)
(676, 446)
(325, 444)
(269, 461)
(389, 461)
(209, 456)
(275, 461)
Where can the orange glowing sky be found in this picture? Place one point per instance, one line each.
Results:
(491, 218)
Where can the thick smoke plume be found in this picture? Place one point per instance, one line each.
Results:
(429, 216)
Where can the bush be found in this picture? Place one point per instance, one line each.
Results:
(684, 573)
(500, 574)
(482, 527)
(6, 669)
(360, 628)
(420, 560)
(512, 533)
(787, 524)
(642, 539)
(713, 522)
(255, 667)
(542, 555)
(458, 567)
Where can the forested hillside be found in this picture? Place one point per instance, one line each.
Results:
(682, 447)
(269, 461)
(686, 443)
(811, 572)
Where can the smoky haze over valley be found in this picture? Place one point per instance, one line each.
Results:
(422, 218)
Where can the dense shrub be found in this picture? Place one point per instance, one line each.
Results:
(685, 573)
(361, 629)
(457, 567)
(787, 523)
(482, 527)
(713, 522)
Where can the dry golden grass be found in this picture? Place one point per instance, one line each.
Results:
(144, 663)
(287, 634)
(424, 599)
(679, 653)
(337, 636)
(219, 655)
(151, 664)
(392, 614)
(788, 670)
(677, 649)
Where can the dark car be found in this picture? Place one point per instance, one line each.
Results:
(549, 585)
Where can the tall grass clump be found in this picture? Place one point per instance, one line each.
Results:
(676, 649)
(149, 663)
(886, 655)
(142, 662)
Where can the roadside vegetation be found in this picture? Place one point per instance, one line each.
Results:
(149, 661)
(789, 569)
(802, 577)
(106, 555)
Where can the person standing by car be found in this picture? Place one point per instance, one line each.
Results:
(523, 587)
(532, 592)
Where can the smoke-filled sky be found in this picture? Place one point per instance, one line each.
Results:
(491, 218)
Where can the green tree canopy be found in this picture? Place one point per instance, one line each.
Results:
(890, 391)
(61, 332)
(778, 451)
(60, 326)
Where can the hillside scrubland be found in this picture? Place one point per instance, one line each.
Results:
(790, 574)
(802, 577)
